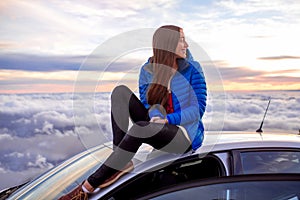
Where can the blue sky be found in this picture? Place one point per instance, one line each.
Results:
(254, 44)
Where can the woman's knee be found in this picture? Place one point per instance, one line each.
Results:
(120, 93)
(120, 89)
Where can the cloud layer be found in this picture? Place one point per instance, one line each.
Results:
(39, 131)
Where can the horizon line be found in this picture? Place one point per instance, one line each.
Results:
(28, 93)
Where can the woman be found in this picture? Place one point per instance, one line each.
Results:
(168, 115)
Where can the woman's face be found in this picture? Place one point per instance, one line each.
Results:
(181, 46)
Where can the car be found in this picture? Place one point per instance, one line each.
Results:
(229, 165)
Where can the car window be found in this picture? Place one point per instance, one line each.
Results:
(65, 177)
(247, 190)
(177, 173)
(270, 162)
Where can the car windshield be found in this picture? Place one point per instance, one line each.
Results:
(279, 190)
(261, 162)
(64, 177)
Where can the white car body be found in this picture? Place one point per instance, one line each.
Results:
(222, 148)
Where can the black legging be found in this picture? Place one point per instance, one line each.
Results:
(125, 105)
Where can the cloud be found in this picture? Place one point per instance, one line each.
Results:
(29, 115)
(261, 9)
(39, 131)
(279, 57)
(245, 75)
(63, 27)
(245, 110)
(40, 63)
(283, 110)
(238, 73)
(32, 73)
(17, 161)
(7, 45)
(279, 80)
(57, 36)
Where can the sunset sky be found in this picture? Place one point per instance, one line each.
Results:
(254, 44)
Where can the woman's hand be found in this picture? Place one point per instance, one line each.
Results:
(159, 120)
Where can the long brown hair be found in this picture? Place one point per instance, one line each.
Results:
(165, 40)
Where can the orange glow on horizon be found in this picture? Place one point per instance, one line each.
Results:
(56, 88)
(229, 86)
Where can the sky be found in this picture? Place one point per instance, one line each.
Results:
(44, 45)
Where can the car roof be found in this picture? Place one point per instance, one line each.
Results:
(221, 141)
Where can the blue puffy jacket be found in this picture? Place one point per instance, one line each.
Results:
(189, 93)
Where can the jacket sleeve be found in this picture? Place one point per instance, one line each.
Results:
(197, 102)
(143, 87)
